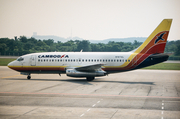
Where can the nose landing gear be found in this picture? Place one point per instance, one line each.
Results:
(28, 75)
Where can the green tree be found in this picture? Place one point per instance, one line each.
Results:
(85, 45)
(23, 39)
(49, 42)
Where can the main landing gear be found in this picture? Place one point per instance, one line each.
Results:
(29, 76)
(89, 78)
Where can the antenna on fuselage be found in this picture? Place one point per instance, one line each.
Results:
(81, 50)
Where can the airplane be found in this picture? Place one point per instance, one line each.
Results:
(96, 64)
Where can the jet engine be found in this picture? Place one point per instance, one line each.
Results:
(75, 73)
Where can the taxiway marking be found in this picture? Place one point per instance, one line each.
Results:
(171, 101)
(94, 105)
(162, 112)
(82, 115)
(99, 95)
(11, 76)
(90, 108)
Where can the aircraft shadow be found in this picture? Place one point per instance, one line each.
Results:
(126, 82)
(100, 81)
(79, 81)
(85, 82)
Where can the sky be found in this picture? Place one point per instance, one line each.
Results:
(87, 19)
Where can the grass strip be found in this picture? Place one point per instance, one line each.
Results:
(165, 66)
(6, 61)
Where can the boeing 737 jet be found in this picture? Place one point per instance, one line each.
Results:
(95, 64)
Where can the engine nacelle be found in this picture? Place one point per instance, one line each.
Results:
(75, 73)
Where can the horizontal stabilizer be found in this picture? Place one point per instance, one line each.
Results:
(160, 55)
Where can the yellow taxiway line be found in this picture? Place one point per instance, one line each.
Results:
(11, 76)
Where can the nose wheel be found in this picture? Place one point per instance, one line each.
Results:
(28, 77)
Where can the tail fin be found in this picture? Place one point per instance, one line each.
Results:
(156, 42)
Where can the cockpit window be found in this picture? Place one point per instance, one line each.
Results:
(20, 59)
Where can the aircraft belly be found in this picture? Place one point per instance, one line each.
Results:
(40, 69)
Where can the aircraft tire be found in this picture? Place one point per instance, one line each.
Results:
(89, 78)
(28, 77)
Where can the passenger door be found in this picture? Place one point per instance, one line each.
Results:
(33, 60)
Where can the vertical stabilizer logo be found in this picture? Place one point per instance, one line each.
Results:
(159, 38)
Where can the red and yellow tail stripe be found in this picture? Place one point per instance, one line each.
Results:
(154, 44)
(163, 27)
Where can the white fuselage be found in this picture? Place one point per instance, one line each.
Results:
(58, 61)
(75, 59)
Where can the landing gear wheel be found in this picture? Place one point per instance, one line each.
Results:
(89, 78)
(28, 77)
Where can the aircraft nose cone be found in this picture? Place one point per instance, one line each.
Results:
(10, 64)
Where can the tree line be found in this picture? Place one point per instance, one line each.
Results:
(24, 45)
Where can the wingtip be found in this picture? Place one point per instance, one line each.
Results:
(169, 20)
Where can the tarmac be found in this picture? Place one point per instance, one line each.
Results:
(138, 94)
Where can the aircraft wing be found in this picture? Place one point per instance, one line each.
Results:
(90, 67)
